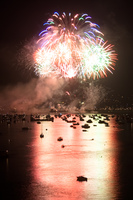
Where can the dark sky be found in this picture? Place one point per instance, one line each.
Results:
(22, 21)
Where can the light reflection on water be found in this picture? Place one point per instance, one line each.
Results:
(39, 168)
(57, 168)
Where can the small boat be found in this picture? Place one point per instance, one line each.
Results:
(85, 126)
(106, 124)
(84, 130)
(41, 135)
(59, 139)
(89, 121)
(81, 178)
(75, 124)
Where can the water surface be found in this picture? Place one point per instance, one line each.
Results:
(39, 168)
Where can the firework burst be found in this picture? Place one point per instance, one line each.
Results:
(73, 46)
(97, 60)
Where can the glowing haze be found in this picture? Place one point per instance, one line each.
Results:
(72, 46)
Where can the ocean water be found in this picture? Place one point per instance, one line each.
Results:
(40, 168)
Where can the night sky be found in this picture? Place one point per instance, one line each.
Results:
(21, 22)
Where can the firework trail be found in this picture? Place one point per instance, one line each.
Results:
(72, 46)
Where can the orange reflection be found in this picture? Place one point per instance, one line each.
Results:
(57, 168)
(102, 162)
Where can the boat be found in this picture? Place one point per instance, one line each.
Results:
(81, 178)
(59, 139)
(89, 121)
(41, 135)
(85, 126)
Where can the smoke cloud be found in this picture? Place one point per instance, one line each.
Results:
(29, 97)
(41, 94)
(93, 96)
